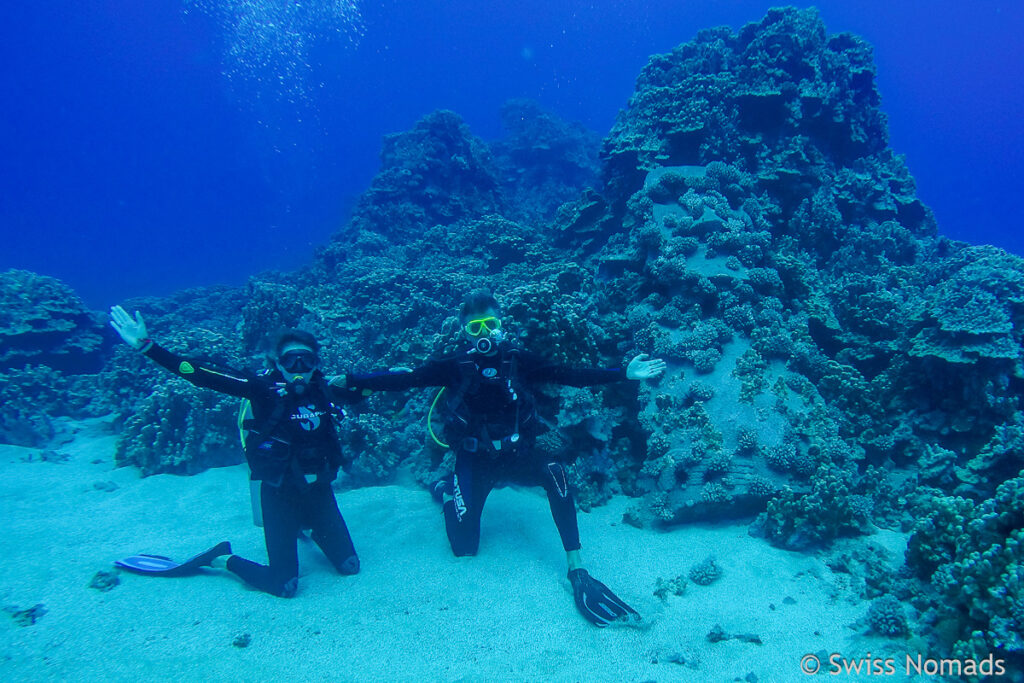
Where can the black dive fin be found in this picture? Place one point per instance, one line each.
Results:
(595, 601)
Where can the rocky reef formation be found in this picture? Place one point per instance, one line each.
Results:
(543, 161)
(834, 363)
(43, 322)
(49, 345)
(969, 557)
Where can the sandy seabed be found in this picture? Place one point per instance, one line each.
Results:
(414, 613)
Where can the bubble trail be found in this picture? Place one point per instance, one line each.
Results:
(268, 42)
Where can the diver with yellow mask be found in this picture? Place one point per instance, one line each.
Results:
(491, 423)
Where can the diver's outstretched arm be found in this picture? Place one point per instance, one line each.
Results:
(644, 367)
(432, 374)
(133, 332)
(538, 371)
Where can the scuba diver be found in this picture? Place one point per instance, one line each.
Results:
(292, 449)
(492, 425)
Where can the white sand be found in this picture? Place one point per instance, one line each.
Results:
(414, 613)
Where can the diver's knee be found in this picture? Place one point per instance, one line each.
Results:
(349, 566)
(559, 481)
(289, 588)
(463, 544)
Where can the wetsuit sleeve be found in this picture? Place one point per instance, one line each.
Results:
(433, 374)
(340, 393)
(536, 370)
(193, 371)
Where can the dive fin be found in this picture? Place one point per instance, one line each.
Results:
(595, 601)
(165, 566)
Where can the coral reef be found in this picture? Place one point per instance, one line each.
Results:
(166, 424)
(43, 322)
(833, 363)
(29, 400)
(374, 447)
(543, 161)
(868, 567)
(971, 556)
(51, 348)
(831, 509)
(181, 430)
(663, 588)
(435, 174)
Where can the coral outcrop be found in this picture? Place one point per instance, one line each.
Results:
(971, 557)
(51, 346)
(43, 322)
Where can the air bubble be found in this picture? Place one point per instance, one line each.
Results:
(268, 41)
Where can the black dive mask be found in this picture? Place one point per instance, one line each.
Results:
(298, 361)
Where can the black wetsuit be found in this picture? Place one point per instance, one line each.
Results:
(291, 436)
(492, 426)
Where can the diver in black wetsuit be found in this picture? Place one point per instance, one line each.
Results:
(492, 426)
(291, 446)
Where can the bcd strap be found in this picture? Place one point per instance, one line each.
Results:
(467, 377)
(265, 430)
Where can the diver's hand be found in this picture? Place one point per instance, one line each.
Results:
(133, 332)
(644, 367)
(596, 603)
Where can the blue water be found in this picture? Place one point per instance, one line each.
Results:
(150, 146)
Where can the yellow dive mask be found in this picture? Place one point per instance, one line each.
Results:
(477, 326)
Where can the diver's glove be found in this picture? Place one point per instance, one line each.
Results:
(596, 603)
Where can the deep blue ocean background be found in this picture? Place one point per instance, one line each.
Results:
(151, 146)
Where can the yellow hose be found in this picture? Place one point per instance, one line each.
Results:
(430, 421)
(243, 411)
